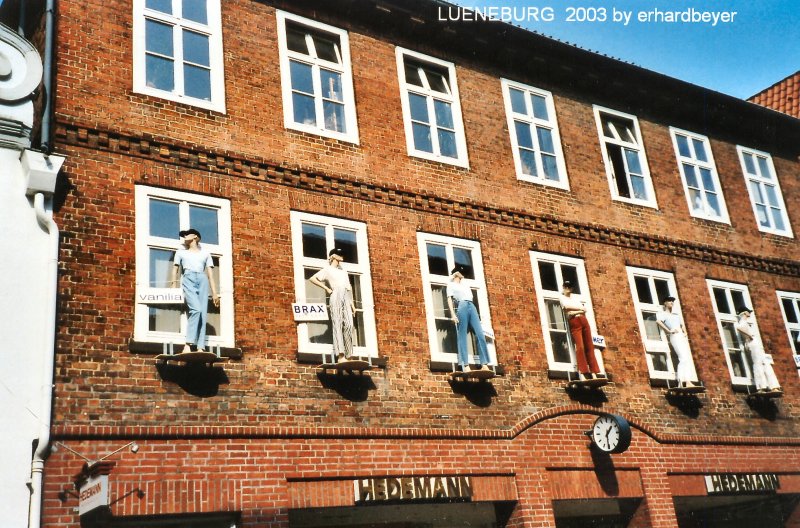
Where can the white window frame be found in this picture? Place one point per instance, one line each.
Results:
(542, 296)
(721, 318)
(763, 182)
(222, 251)
(534, 123)
(430, 95)
(350, 133)
(477, 284)
(794, 340)
(660, 345)
(705, 212)
(637, 145)
(213, 30)
(362, 269)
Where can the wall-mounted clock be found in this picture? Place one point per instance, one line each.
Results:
(611, 433)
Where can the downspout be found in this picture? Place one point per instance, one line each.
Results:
(47, 78)
(48, 353)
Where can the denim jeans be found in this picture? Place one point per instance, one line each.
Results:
(468, 319)
(195, 295)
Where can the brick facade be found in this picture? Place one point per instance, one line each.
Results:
(262, 432)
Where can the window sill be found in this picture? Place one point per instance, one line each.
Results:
(570, 374)
(148, 348)
(444, 366)
(315, 359)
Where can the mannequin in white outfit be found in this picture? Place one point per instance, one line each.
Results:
(672, 325)
(763, 375)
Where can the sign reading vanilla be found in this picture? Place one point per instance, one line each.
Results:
(412, 489)
(741, 483)
(159, 295)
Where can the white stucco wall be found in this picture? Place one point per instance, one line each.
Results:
(23, 332)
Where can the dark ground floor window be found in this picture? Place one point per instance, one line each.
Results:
(451, 515)
(595, 513)
(739, 511)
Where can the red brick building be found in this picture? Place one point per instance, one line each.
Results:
(413, 140)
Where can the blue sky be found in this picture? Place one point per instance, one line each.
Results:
(760, 46)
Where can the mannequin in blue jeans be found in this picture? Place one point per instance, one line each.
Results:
(196, 280)
(466, 318)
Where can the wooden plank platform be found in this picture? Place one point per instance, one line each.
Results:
(685, 391)
(765, 395)
(191, 357)
(353, 366)
(595, 383)
(471, 375)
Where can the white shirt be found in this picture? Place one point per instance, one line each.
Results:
(459, 291)
(194, 260)
(571, 303)
(754, 341)
(670, 319)
(335, 277)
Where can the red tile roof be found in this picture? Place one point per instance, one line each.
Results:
(783, 96)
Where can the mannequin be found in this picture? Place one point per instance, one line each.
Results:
(465, 316)
(334, 280)
(672, 325)
(763, 375)
(581, 332)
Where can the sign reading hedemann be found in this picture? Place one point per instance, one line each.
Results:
(741, 483)
(412, 488)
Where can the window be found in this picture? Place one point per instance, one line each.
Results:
(790, 307)
(624, 158)
(431, 111)
(549, 273)
(765, 192)
(726, 298)
(177, 51)
(438, 255)
(316, 78)
(160, 215)
(313, 236)
(534, 135)
(699, 175)
(649, 288)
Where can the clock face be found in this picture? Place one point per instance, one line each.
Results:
(611, 434)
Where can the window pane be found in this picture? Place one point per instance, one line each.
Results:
(161, 264)
(634, 164)
(699, 150)
(318, 331)
(690, 173)
(708, 181)
(347, 241)
(527, 160)
(660, 362)
(164, 6)
(539, 107)
(651, 326)
(517, 101)
(195, 48)
(437, 260)
(558, 331)
(662, 290)
(326, 48)
(722, 301)
(160, 73)
(437, 80)
(300, 74)
(463, 258)
(772, 195)
(550, 167)
(334, 116)
(618, 165)
(738, 299)
(303, 109)
(158, 38)
(788, 309)
(444, 114)
(570, 273)
(164, 319)
(195, 10)
(197, 82)
(419, 108)
(777, 217)
(749, 166)
(296, 40)
(763, 167)
(314, 245)
(763, 218)
(331, 85)
(639, 188)
(523, 131)
(164, 220)
(643, 292)
(204, 219)
(713, 204)
(545, 140)
(683, 146)
(440, 308)
(447, 144)
(358, 320)
(422, 137)
(547, 275)
(412, 73)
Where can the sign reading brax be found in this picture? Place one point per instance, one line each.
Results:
(412, 488)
